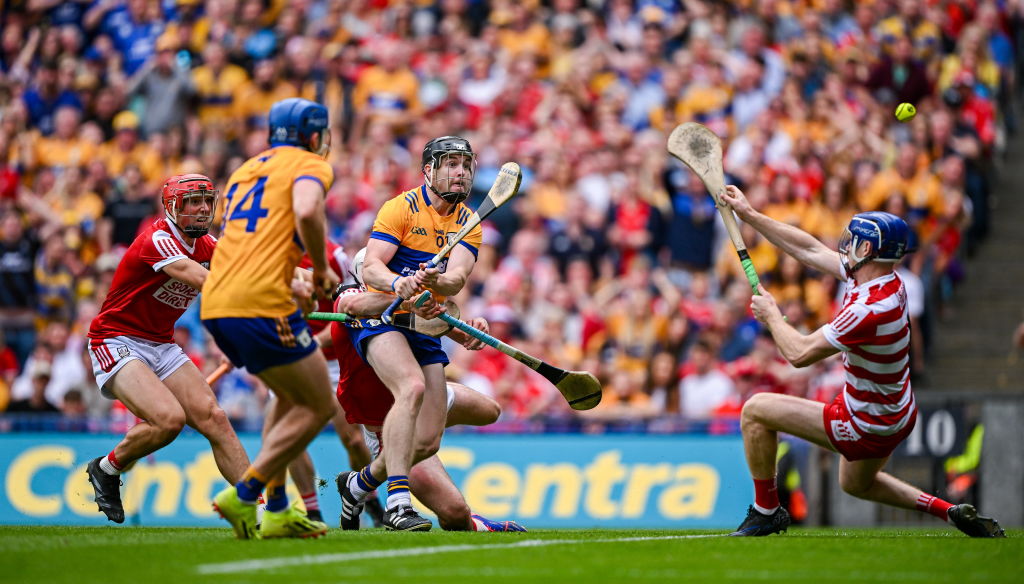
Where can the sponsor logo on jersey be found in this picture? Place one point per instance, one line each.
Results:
(176, 294)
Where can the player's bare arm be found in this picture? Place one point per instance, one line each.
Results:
(799, 349)
(449, 283)
(796, 242)
(308, 205)
(377, 275)
(187, 271)
(374, 303)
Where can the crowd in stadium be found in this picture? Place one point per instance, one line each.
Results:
(612, 259)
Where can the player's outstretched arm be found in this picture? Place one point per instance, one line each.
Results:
(187, 271)
(799, 349)
(794, 241)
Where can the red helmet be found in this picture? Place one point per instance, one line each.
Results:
(177, 190)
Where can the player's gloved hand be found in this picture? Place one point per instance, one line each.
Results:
(473, 343)
(324, 282)
(738, 201)
(763, 306)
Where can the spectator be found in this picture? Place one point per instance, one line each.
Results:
(704, 388)
(36, 401)
(165, 88)
(18, 249)
(44, 99)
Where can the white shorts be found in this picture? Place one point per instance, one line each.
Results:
(110, 355)
(333, 373)
(373, 439)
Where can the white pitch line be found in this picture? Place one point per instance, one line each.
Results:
(337, 558)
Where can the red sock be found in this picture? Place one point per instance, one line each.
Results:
(114, 461)
(310, 501)
(766, 494)
(933, 505)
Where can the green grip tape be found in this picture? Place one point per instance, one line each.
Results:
(336, 316)
(748, 268)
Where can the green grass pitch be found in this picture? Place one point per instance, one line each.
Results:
(187, 555)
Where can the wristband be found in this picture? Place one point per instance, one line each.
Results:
(393, 283)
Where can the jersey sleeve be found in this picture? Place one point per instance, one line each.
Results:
(853, 326)
(473, 240)
(315, 169)
(392, 222)
(161, 250)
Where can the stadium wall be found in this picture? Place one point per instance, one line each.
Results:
(625, 481)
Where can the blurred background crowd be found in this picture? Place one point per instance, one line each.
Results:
(612, 259)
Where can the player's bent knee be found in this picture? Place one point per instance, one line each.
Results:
(424, 449)
(411, 393)
(218, 421)
(490, 413)
(755, 409)
(453, 516)
(168, 424)
(352, 438)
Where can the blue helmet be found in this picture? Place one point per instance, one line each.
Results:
(887, 233)
(294, 121)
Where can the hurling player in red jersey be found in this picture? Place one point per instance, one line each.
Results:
(875, 410)
(134, 357)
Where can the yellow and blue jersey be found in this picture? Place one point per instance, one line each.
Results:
(252, 267)
(412, 223)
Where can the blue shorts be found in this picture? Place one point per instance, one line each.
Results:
(426, 349)
(261, 343)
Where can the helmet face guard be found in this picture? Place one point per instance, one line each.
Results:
(450, 170)
(189, 202)
(886, 233)
(452, 164)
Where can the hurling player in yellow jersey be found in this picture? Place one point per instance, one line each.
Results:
(273, 214)
(409, 230)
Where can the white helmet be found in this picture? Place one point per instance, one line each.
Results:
(357, 267)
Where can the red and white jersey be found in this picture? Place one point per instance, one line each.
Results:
(143, 301)
(339, 261)
(873, 332)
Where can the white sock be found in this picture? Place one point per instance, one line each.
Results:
(353, 485)
(108, 468)
(399, 498)
(764, 511)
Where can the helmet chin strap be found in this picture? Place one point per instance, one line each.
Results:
(194, 231)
